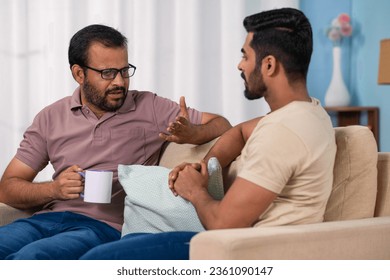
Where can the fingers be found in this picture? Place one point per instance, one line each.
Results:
(73, 168)
(173, 129)
(203, 168)
(179, 131)
(174, 174)
(169, 138)
(171, 181)
(66, 188)
(69, 183)
(73, 172)
(181, 120)
(183, 117)
(177, 126)
(183, 107)
(163, 136)
(73, 192)
(196, 166)
(172, 188)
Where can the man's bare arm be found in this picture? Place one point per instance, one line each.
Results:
(18, 190)
(230, 144)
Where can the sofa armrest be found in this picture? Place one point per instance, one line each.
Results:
(353, 239)
(8, 214)
(382, 206)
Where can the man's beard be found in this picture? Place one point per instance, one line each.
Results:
(255, 86)
(99, 100)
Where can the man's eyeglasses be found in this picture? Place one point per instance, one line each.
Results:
(110, 73)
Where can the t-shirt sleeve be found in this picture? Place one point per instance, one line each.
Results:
(167, 110)
(271, 156)
(32, 149)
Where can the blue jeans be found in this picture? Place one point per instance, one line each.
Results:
(55, 235)
(145, 246)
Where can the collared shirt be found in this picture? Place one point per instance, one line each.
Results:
(68, 133)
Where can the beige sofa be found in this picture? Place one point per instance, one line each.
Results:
(357, 219)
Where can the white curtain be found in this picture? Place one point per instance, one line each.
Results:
(180, 47)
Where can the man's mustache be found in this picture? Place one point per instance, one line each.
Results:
(116, 89)
(243, 76)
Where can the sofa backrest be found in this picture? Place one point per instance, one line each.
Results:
(174, 154)
(355, 172)
(355, 175)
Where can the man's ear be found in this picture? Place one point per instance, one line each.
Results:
(270, 65)
(78, 73)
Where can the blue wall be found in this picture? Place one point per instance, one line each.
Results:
(360, 53)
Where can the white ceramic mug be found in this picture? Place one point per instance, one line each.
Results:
(97, 186)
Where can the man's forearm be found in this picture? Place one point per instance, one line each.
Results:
(230, 144)
(228, 147)
(23, 194)
(211, 130)
(207, 210)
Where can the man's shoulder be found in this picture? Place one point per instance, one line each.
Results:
(58, 106)
(145, 97)
(139, 94)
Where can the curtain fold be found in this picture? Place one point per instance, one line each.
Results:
(188, 48)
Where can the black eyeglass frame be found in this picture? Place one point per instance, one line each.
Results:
(131, 66)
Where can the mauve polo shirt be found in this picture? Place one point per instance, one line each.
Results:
(67, 133)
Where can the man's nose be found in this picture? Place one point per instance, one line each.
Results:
(239, 66)
(119, 80)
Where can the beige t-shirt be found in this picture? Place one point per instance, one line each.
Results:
(291, 152)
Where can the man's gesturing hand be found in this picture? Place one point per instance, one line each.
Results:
(182, 130)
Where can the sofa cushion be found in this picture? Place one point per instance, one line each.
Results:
(9, 214)
(355, 175)
(150, 205)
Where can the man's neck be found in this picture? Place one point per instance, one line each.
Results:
(280, 95)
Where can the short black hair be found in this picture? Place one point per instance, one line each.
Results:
(285, 33)
(82, 40)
